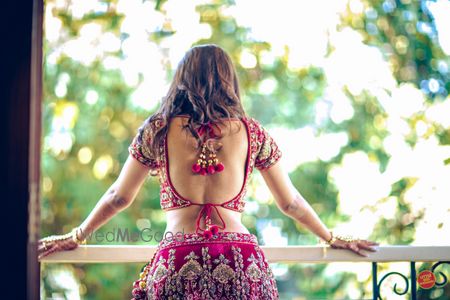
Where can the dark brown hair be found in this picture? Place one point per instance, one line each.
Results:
(205, 87)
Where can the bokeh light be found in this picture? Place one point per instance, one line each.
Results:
(356, 94)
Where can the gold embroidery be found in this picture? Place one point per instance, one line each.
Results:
(223, 273)
(253, 272)
(160, 273)
(146, 138)
(265, 150)
(192, 269)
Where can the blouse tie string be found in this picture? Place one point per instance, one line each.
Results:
(208, 127)
(210, 229)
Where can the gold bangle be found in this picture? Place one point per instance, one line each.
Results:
(75, 237)
(55, 238)
(347, 238)
(332, 240)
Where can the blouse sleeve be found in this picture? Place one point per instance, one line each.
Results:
(269, 153)
(139, 147)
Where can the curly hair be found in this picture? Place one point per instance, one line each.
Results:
(205, 87)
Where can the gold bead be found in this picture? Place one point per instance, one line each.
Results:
(142, 284)
(210, 162)
(199, 161)
(216, 160)
(142, 275)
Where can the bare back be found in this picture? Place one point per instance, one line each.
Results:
(206, 189)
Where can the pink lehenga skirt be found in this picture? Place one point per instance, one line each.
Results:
(229, 265)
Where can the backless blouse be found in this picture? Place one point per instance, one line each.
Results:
(262, 153)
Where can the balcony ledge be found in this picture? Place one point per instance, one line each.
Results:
(286, 254)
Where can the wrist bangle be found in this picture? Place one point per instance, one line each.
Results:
(332, 239)
(75, 236)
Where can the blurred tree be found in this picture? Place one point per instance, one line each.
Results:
(94, 103)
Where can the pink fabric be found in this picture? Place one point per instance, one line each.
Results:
(229, 265)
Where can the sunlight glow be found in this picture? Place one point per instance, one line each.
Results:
(248, 60)
(311, 147)
(273, 21)
(85, 155)
(360, 183)
(441, 10)
(103, 165)
(65, 281)
(91, 97)
(272, 235)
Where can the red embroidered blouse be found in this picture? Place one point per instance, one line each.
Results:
(262, 153)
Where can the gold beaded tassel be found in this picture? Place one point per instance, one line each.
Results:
(210, 166)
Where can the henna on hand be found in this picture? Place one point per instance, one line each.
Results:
(355, 246)
(49, 245)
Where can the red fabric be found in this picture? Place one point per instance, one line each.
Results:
(229, 265)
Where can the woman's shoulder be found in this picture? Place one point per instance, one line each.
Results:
(148, 128)
(254, 123)
(152, 123)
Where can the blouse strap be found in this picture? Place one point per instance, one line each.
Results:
(210, 229)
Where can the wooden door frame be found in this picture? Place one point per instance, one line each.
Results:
(34, 153)
(20, 121)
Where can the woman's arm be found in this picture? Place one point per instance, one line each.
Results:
(291, 203)
(119, 196)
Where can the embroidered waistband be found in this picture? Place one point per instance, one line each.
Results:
(194, 238)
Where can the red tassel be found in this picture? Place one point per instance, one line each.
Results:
(211, 169)
(207, 234)
(219, 167)
(196, 168)
(214, 229)
(203, 171)
(136, 283)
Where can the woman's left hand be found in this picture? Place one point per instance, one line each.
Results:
(356, 246)
(51, 244)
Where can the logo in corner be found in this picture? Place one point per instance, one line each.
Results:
(426, 279)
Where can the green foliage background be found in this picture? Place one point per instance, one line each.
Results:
(71, 189)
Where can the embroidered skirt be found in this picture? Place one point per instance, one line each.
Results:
(229, 265)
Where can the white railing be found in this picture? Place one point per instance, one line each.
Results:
(289, 254)
(298, 254)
